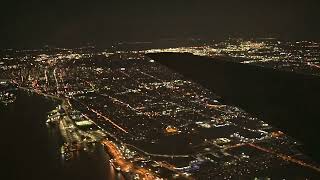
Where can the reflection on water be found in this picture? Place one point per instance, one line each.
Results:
(90, 165)
(33, 149)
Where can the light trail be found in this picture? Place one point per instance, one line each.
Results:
(314, 65)
(107, 119)
(121, 102)
(235, 146)
(149, 75)
(46, 77)
(104, 117)
(156, 155)
(55, 78)
(285, 157)
(214, 106)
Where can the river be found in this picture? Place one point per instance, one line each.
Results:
(31, 148)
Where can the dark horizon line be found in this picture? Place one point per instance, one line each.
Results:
(109, 43)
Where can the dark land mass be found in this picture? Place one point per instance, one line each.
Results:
(287, 100)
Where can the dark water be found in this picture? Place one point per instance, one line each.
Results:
(31, 149)
(287, 100)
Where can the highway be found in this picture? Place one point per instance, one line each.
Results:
(285, 157)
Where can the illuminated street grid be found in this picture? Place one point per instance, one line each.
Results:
(153, 122)
(297, 56)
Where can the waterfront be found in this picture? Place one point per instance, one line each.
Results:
(32, 149)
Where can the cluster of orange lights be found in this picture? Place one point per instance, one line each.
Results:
(127, 166)
(171, 130)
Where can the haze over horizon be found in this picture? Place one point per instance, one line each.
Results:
(70, 24)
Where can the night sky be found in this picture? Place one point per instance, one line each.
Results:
(27, 24)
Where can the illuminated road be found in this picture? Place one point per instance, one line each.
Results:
(104, 117)
(157, 155)
(127, 166)
(285, 157)
(314, 65)
(55, 78)
(109, 120)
